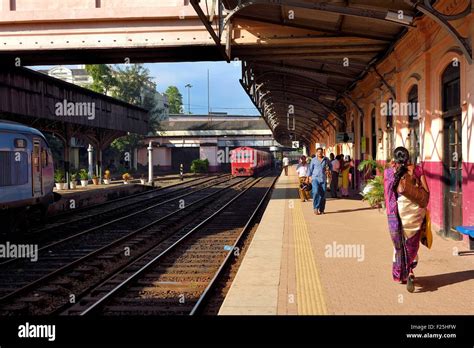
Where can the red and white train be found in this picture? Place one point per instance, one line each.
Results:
(246, 161)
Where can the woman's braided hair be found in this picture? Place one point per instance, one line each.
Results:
(401, 156)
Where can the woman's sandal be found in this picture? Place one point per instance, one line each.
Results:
(411, 283)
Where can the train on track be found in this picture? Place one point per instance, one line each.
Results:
(247, 161)
(26, 173)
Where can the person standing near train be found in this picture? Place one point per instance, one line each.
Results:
(286, 162)
(319, 170)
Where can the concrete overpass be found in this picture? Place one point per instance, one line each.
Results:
(93, 31)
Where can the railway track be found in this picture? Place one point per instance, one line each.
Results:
(67, 224)
(177, 278)
(184, 183)
(67, 268)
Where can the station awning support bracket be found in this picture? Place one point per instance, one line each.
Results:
(443, 20)
(208, 19)
(385, 83)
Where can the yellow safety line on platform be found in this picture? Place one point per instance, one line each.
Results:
(309, 293)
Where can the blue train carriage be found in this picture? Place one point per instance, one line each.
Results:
(26, 174)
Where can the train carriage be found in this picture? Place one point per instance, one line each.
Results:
(247, 161)
(26, 171)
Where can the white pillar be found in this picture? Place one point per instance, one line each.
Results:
(135, 158)
(90, 151)
(150, 162)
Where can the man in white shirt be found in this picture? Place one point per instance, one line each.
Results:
(302, 170)
(286, 162)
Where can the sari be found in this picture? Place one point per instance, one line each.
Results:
(405, 222)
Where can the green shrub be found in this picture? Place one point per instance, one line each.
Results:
(373, 192)
(59, 176)
(368, 165)
(200, 166)
(83, 174)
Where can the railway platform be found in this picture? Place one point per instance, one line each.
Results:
(340, 263)
(96, 194)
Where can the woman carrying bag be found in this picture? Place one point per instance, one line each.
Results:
(406, 198)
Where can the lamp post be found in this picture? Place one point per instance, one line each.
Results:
(188, 86)
(150, 163)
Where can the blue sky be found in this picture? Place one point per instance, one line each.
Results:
(226, 93)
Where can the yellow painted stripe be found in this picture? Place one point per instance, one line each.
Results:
(309, 293)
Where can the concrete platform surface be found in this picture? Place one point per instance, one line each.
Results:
(340, 263)
(90, 195)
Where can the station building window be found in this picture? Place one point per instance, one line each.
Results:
(414, 124)
(390, 129)
(452, 156)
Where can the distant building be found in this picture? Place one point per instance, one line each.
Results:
(184, 138)
(161, 106)
(77, 76)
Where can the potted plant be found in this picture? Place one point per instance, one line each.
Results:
(95, 180)
(72, 181)
(84, 177)
(126, 178)
(142, 180)
(59, 179)
(107, 177)
(373, 191)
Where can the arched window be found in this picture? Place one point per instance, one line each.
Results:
(452, 156)
(451, 89)
(413, 124)
(390, 130)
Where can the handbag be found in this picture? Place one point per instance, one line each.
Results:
(426, 237)
(306, 186)
(409, 188)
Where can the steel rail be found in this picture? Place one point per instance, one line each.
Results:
(48, 276)
(198, 306)
(96, 305)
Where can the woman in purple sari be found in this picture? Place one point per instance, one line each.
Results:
(406, 219)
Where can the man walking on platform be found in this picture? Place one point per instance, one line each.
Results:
(319, 169)
(286, 162)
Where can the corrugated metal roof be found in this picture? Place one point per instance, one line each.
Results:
(309, 54)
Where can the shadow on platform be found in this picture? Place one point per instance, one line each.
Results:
(348, 210)
(434, 282)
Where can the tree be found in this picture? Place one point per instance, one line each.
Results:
(175, 100)
(102, 78)
(134, 85)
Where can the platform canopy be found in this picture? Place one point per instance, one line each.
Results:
(302, 58)
(67, 110)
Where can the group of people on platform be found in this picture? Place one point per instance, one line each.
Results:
(336, 168)
(407, 217)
